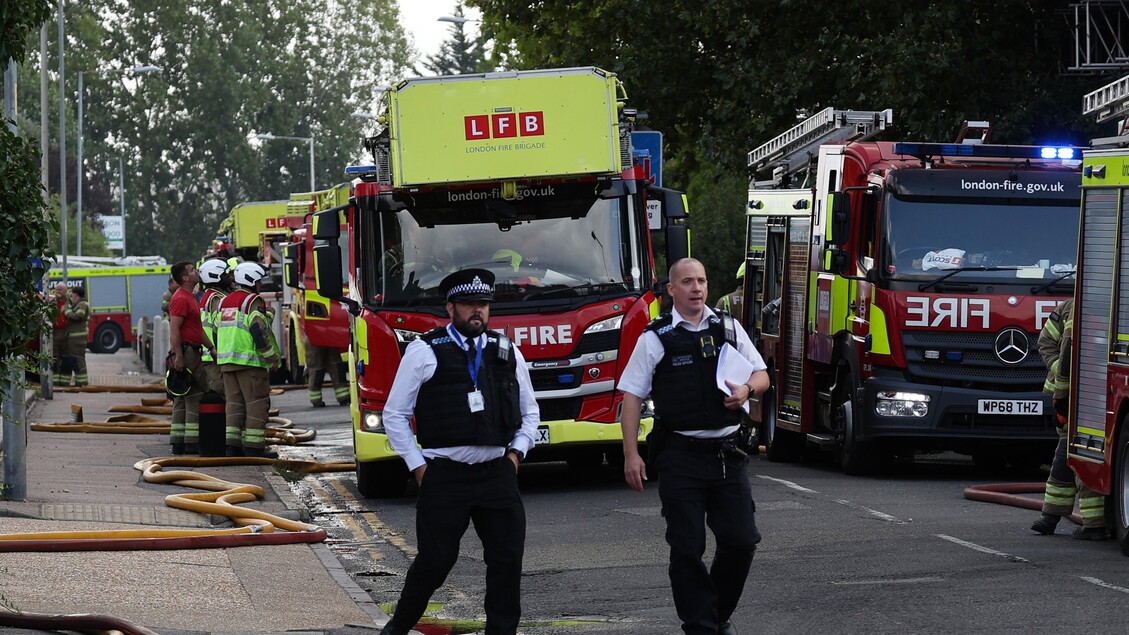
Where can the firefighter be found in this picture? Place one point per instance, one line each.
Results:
(320, 361)
(77, 313)
(167, 297)
(246, 354)
(215, 275)
(733, 303)
(1062, 485)
(59, 336)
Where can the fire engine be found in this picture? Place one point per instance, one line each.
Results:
(532, 175)
(312, 317)
(118, 295)
(1098, 449)
(897, 290)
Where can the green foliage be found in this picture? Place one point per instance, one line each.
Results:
(17, 19)
(229, 71)
(459, 54)
(720, 77)
(24, 226)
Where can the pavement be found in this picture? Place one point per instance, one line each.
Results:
(87, 482)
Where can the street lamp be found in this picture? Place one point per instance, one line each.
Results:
(456, 19)
(310, 140)
(138, 70)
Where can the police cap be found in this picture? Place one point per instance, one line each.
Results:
(468, 285)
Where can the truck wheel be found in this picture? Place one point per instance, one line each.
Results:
(1119, 497)
(855, 457)
(382, 479)
(107, 338)
(780, 445)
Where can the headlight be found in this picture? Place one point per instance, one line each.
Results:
(372, 421)
(602, 326)
(901, 404)
(648, 407)
(406, 336)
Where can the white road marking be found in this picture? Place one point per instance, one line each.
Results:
(788, 484)
(905, 581)
(873, 512)
(1105, 585)
(981, 549)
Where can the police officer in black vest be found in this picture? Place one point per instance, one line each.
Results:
(469, 390)
(701, 468)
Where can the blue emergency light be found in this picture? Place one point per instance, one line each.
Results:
(987, 151)
(360, 169)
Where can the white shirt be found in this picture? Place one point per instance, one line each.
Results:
(649, 352)
(418, 366)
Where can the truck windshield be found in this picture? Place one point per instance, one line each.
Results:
(537, 249)
(927, 236)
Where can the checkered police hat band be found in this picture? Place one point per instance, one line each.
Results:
(476, 286)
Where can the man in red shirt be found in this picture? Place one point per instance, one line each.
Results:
(59, 335)
(187, 341)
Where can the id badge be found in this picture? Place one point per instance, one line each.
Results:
(475, 401)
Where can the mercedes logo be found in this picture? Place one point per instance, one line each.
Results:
(1012, 346)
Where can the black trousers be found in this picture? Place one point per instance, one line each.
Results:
(450, 497)
(701, 484)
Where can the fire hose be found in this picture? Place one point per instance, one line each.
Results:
(1011, 494)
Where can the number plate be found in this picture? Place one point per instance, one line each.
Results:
(542, 435)
(1009, 407)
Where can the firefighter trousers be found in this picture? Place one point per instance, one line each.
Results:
(185, 423)
(1063, 487)
(248, 402)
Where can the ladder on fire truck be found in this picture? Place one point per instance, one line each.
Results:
(1106, 104)
(795, 150)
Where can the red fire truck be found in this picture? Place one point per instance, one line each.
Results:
(898, 297)
(312, 317)
(1099, 401)
(118, 296)
(532, 175)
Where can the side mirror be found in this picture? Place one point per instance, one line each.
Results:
(839, 223)
(677, 243)
(327, 270)
(673, 203)
(837, 261)
(327, 225)
(290, 271)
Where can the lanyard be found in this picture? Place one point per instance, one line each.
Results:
(473, 367)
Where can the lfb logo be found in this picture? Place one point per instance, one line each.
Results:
(503, 125)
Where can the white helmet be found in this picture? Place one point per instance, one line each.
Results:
(212, 270)
(248, 273)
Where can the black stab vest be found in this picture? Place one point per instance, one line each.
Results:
(443, 416)
(684, 387)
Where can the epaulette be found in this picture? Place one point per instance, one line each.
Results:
(661, 324)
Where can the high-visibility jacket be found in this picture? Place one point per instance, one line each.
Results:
(236, 344)
(1054, 349)
(209, 317)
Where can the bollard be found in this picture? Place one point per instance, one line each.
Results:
(212, 423)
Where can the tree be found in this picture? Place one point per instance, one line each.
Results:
(720, 77)
(24, 225)
(459, 54)
(229, 70)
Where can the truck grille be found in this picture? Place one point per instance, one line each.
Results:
(560, 409)
(597, 342)
(556, 378)
(977, 363)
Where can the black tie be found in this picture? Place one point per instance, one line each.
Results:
(470, 349)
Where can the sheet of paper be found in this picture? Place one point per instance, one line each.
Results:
(732, 366)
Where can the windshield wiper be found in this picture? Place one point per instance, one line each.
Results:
(925, 285)
(591, 286)
(1044, 287)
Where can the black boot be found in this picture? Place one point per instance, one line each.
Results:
(265, 453)
(234, 450)
(1091, 533)
(178, 448)
(1046, 524)
(192, 448)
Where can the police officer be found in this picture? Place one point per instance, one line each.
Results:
(469, 390)
(215, 275)
(246, 353)
(1062, 484)
(702, 470)
(77, 313)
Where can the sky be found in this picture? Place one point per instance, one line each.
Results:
(419, 19)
